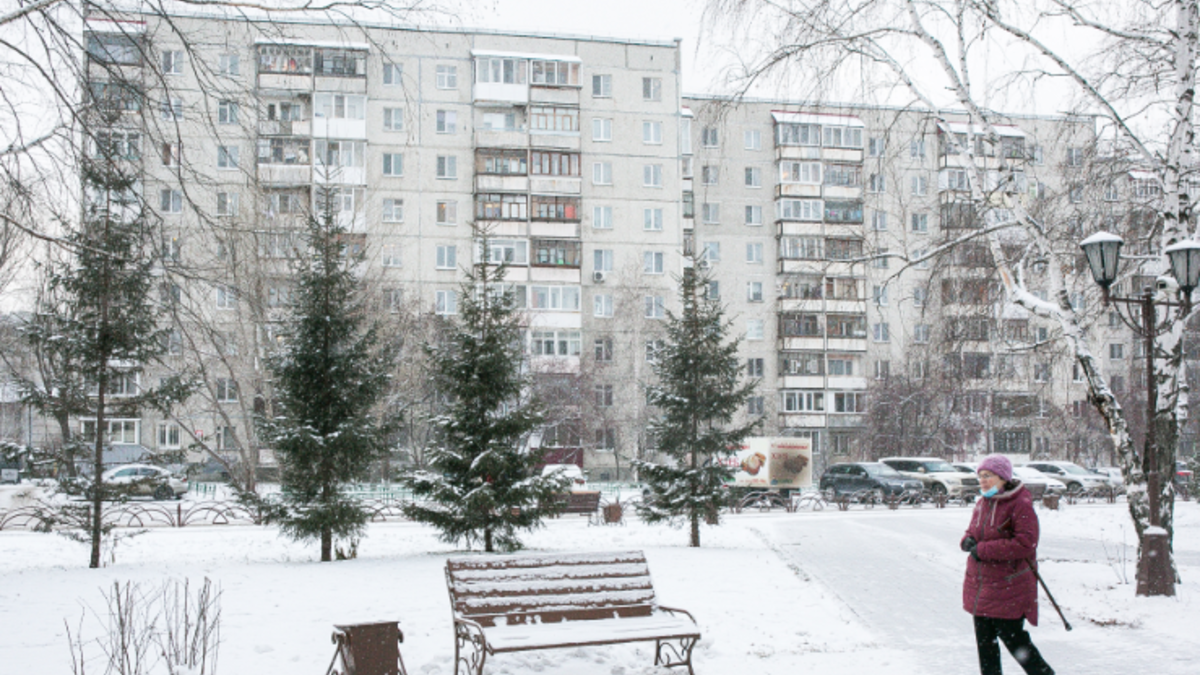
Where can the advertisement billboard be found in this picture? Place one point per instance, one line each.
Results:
(773, 463)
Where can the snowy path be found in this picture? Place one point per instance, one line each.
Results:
(901, 573)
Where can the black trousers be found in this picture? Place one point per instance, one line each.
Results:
(1015, 637)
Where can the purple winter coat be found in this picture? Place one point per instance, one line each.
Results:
(1002, 584)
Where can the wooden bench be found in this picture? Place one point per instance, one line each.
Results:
(585, 503)
(368, 649)
(505, 604)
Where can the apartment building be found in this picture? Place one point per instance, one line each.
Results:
(596, 181)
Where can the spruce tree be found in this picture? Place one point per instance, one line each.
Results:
(696, 394)
(327, 378)
(480, 485)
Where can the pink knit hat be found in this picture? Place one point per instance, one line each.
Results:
(999, 465)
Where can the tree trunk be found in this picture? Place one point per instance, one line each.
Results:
(97, 521)
(326, 544)
(487, 540)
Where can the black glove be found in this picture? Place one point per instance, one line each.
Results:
(969, 545)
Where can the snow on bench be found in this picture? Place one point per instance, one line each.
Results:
(526, 602)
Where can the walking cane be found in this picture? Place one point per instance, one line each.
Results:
(1048, 595)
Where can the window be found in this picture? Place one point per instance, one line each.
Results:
(602, 217)
(921, 333)
(555, 343)
(602, 129)
(229, 64)
(920, 185)
(447, 256)
(710, 213)
(602, 305)
(754, 215)
(711, 251)
(879, 221)
(1116, 351)
(651, 89)
(752, 139)
(803, 401)
(170, 201)
(120, 431)
(755, 329)
(652, 262)
(754, 253)
(916, 149)
(883, 369)
(114, 48)
(603, 349)
(501, 206)
(880, 260)
(755, 405)
(753, 177)
(393, 119)
(393, 73)
(172, 63)
(393, 211)
(508, 251)
(754, 291)
(447, 167)
(920, 222)
(168, 436)
(879, 332)
(447, 77)
(712, 291)
(920, 295)
(227, 112)
(227, 204)
(602, 260)
(841, 137)
(841, 366)
(709, 137)
(652, 133)
(1074, 156)
(755, 367)
(554, 73)
(876, 146)
(652, 220)
(171, 109)
(445, 303)
(447, 122)
(447, 212)
(547, 163)
(170, 154)
(879, 293)
(390, 256)
(602, 86)
(655, 307)
(877, 183)
(800, 209)
(227, 298)
(652, 175)
(549, 118)
(849, 402)
(556, 298)
(602, 173)
(1075, 195)
(345, 154)
(393, 164)
(227, 390)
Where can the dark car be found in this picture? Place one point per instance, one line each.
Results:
(854, 477)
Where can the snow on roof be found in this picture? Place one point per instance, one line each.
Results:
(980, 130)
(686, 112)
(1140, 174)
(108, 25)
(530, 56)
(784, 117)
(1101, 237)
(358, 46)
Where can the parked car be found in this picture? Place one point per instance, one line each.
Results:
(1038, 483)
(937, 475)
(144, 479)
(1112, 473)
(571, 471)
(1182, 473)
(1077, 478)
(965, 467)
(853, 477)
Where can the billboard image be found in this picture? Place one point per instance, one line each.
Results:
(773, 463)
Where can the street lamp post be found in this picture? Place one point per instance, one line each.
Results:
(1155, 575)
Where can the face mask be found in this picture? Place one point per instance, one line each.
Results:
(992, 492)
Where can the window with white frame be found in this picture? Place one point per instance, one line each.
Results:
(170, 201)
(753, 177)
(1116, 351)
(169, 436)
(447, 167)
(877, 182)
(652, 175)
(803, 401)
(653, 262)
(652, 220)
(880, 259)
(879, 221)
(602, 86)
(754, 291)
(879, 332)
(841, 137)
(172, 62)
(171, 109)
(710, 137)
(876, 146)
(656, 307)
(445, 302)
(711, 251)
(226, 390)
(712, 290)
(754, 253)
(1074, 156)
(710, 213)
(651, 88)
(880, 294)
(755, 329)
(920, 222)
(508, 251)
(752, 139)
(227, 157)
(229, 64)
(602, 260)
(801, 209)
(225, 437)
(341, 154)
(919, 185)
(602, 129)
(652, 132)
(754, 215)
(447, 256)
(710, 174)
(849, 402)
(916, 148)
(920, 295)
(120, 431)
(446, 212)
(393, 210)
(393, 164)
(602, 305)
(554, 298)
(883, 369)
(226, 298)
(390, 256)
(393, 119)
(447, 122)
(227, 112)
(447, 77)
(602, 173)
(393, 74)
(340, 106)
(841, 366)
(602, 217)
(556, 342)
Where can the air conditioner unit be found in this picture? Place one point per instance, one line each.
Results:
(598, 276)
(701, 264)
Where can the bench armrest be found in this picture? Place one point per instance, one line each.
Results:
(673, 610)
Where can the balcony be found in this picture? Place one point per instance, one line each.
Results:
(501, 138)
(286, 81)
(555, 140)
(501, 183)
(802, 382)
(555, 95)
(805, 343)
(285, 174)
(558, 275)
(561, 185)
(341, 85)
(501, 93)
(340, 128)
(806, 190)
(285, 127)
(554, 364)
(847, 344)
(554, 229)
(801, 420)
(783, 152)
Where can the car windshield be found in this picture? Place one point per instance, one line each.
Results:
(881, 470)
(939, 467)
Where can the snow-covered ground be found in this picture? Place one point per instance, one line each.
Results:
(862, 591)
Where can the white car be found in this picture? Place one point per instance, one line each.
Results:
(1038, 483)
(938, 476)
(1077, 478)
(1114, 475)
(571, 471)
(144, 479)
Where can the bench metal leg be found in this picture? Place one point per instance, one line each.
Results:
(681, 653)
(470, 651)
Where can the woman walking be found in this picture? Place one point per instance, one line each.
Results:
(1000, 588)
